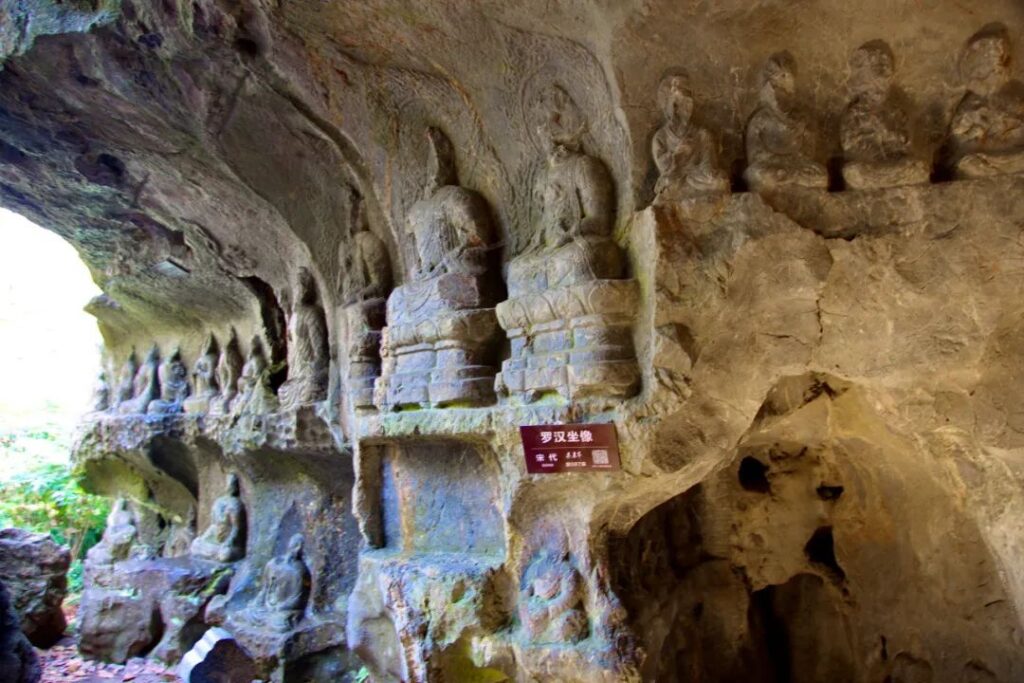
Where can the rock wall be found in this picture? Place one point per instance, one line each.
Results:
(347, 250)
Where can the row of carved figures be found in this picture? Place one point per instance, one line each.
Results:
(985, 135)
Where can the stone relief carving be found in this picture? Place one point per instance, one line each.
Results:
(101, 393)
(255, 395)
(146, 385)
(182, 534)
(224, 539)
(204, 377)
(284, 592)
(686, 154)
(308, 350)
(441, 327)
(126, 381)
(364, 284)
(174, 388)
(874, 129)
(551, 599)
(571, 270)
(986, 134)
(229, 370)
(120, 537)
(777, 138)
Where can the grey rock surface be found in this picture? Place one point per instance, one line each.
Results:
(18, 662)
(35, 571)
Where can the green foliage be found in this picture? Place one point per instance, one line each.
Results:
(362, 675)
(48, 499)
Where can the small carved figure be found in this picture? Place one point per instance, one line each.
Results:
(174, 387)
(551, 600)
(309, 355)
(126, 382)
(224, 539)
(204, 374)
(986, 134)
(119, 536)
(285, 591)
(101, 393)
(255, 395)
(146, 387)
(776, 138)
(874, 129)
(229, 369)
(685, 154)
(182, 534)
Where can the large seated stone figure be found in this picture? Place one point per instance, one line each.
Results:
(204, 375)
(363, 287)
(308, 350)
(441, 325)
(986, 135)
(224, 539)
(174, 389)
(145, 387)
(120, 536)
(874, 129)
(569, 312)
(777, 141)
(255, 395)
(685, 154)
(284, 590)
(551, 600)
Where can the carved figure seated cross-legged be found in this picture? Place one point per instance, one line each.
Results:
(229, 370)
(569, 313)
(551, 600)
(309, 354)
(255, 395)
(777, 140)
(224, 538)
(986, 135)
(686, 155)
(874, 129)
(173, 386)
(119, 537)
(204, 374)
(439, 340)
(145, 387)
(284, 590)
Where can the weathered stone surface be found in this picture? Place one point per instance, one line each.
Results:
(814, 376)
(35, 571)
(18, 662)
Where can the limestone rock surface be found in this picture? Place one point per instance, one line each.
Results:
(35, 569)
(18, 662)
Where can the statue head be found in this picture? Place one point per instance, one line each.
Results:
(675, 99)
(440, 162)
(872, 66)
(561, 122)
(985, 62)
(294, 547)
(778, 77)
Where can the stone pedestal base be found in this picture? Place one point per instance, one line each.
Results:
(575, 341)
(363, 323)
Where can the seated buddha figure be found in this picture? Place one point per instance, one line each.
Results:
(777, 139)
(284, 592)
(255, 396)
(308, 350)
(551, 600)
(986, 134)
(119, 537)
(174, 387)
(874, 130)
(224, 539)
(145, 387)
(229, 369)
(686, 155)
(204, 377)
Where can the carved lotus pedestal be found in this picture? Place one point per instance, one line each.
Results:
(363, 324)
(576, 341)
(438, 345)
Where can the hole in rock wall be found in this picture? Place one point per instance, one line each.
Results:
(753, 475)
(821, 551)
(440, 497)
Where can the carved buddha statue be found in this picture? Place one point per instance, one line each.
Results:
(182, 534)
(146, 386)
(551, 600)
(285, 589)
(777, 140)
(119, 537)
(204, 377)
(986, 134)
(255, 395)
(126, 381)
(308, 351)
(174, 387)
(686, 155)
(874, 129)
(229, 369)
(224, 539)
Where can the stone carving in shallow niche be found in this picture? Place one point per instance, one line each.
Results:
(686, 155)
(569, 313)
(308, 350)
(182, 534)
(551, 599)
(874, 130)
(125, 390)
(986, 135)
(204, 375)
(364, 284)
(101, 393)
(284, 590)
(224, 539)
(145, 387)
(255, 395)
(174, 389)
(120, 537)
(438, 343)
(777, 138)
(229, 371)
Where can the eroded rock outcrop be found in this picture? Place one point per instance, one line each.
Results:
(35, 571)
(796, 299)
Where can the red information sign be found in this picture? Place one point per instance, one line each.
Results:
(570, 448)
